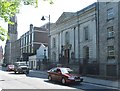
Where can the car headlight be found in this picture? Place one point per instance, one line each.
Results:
(71, 78)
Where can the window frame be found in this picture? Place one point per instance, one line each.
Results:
(110, 32)
(111, 49)
(86, 33)
(110, 14)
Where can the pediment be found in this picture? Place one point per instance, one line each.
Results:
(64, 16)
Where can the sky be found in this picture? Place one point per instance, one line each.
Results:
(31, 15)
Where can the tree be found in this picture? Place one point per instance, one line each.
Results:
(9, 8)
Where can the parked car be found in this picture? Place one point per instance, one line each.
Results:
(4, 65)
(63, 75)
(21, 67)
(10, 67)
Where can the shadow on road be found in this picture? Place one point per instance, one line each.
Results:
(75, 85)
(16, 73)
(82, 86)
(33, 74)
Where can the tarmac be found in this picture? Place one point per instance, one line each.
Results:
(109, 83)
(114, 84)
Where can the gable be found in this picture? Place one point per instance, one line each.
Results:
(64, 16)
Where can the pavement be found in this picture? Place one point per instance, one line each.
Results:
(109, 83)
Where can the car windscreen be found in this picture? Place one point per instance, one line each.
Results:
(66, 70)
(21, 64)
(10, 65)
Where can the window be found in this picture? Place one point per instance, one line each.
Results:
(111, 52)
(86, 34)
(21, 41)
(110, 32)
(32, 50)
(26, 39)
(110, 14)
(29, 38)
(32, 36)
(29, 49)
(54, 42)
(67, 38)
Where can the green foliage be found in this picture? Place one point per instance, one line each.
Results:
(9, 8)
(50, 1)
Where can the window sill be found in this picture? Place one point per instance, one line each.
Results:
(110, 19)
(110, 38)
(111, 57)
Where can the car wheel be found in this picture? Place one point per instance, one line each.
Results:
(49, 78)
(27, 72)
(63, 81)
(15, 72)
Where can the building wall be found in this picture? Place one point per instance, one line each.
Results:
(118, 61)
(73, 23)
(31, 40)
(106, 62)
(91, 42)
(13, 34)
(15, 52)
(32, 62)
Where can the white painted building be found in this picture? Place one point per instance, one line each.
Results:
(74, 36)
(34, 60)
(42, 52)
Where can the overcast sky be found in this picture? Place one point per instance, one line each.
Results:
(30, 15)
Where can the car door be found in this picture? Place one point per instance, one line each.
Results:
(58, 75)
(53, 73)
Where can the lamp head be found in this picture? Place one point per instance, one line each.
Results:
(43, 18)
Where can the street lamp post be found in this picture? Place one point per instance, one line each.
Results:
(44, 53)
(43, 18)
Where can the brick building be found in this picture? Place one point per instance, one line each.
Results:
(31, 41)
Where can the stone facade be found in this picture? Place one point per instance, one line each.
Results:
(73, 36)
(108, 22)
(15, 47)
(13, 34)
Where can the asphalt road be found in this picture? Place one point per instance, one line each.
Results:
(9, 80)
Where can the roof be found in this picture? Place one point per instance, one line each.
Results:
(86, 8)
(64, 16)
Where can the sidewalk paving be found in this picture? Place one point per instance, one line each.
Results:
(109, 83)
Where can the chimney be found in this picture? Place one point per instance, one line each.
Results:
(31, 27)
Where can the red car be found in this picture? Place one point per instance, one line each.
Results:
(64, 75)
(10, 67)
